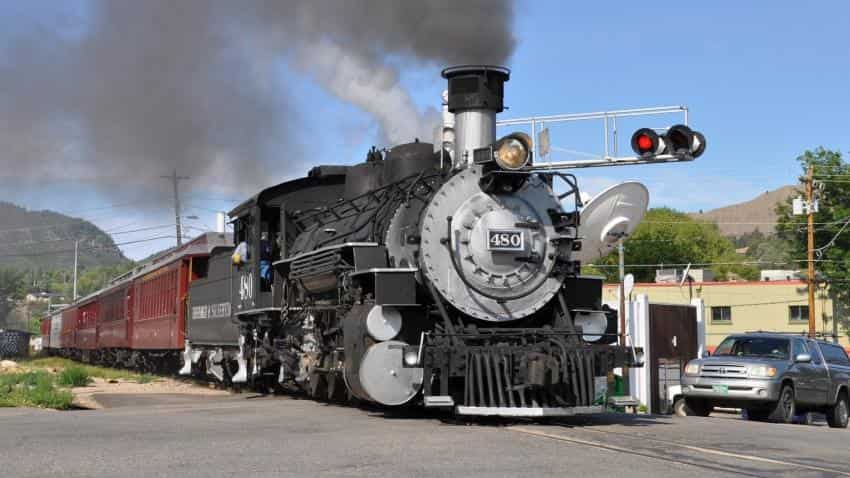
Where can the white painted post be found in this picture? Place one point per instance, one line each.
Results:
(638, 318)
(699, 304)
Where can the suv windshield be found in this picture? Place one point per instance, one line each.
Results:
(754, 347)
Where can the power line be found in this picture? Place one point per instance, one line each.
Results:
(201, 198)
(819, 251)
(101, 208)
(708, 264)
(150, 228)
(91, 249)
(202, 208)
(74, 221)
(747, 223)
(54, 241)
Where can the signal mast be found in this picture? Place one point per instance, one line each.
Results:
(676, 143)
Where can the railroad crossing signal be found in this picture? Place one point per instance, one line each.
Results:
(678, 140)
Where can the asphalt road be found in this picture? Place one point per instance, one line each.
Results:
(279, 436)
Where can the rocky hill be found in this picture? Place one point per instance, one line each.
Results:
(44, 240)
(755, 214)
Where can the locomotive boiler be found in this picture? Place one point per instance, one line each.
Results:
(442, 276)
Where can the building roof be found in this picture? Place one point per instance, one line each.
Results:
(719, 283)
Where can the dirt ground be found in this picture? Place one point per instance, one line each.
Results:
(87, 397)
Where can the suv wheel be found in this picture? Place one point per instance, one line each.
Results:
(695, 407)
(785, 408)
(837, 415)
(679, 408)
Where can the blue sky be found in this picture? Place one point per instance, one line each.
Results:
(763, 81)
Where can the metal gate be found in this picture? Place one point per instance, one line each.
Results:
(673, 341)
(14, 343)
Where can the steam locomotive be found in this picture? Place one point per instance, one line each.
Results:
(444, 276)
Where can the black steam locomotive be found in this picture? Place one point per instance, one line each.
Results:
(441, 276)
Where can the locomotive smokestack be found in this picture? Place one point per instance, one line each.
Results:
(476, 94)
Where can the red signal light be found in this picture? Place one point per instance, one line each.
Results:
(678, 140)
(644, 143)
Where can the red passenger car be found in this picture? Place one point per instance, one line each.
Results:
(69, 328)
(45, 333)
(114, 319)
(86, 336)
(159, 318)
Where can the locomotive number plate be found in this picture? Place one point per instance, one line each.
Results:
(505, 240)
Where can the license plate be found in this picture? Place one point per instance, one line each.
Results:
(505, 240)
(724, 389)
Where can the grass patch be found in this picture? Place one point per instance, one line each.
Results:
(91, 370)
(74, 376)
(33, 389)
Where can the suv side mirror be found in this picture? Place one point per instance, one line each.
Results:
(707, 353)
(803, 358)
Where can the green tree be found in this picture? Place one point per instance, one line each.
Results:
(666, 236)
(12, 288)
(95, 278)
(832, 226)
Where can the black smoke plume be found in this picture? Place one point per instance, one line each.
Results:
(126, 90)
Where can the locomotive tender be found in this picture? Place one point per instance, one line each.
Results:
(436, 275)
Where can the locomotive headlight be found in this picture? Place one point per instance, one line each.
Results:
(513, 151)
(593, 325)
(411, 358)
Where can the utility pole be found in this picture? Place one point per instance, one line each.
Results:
(76, 257)
(175, 180)
(810, 248)
(622, 264)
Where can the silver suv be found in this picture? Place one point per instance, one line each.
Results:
(770, 376)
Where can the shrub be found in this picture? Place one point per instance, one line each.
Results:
(74, 376)
(32, 389)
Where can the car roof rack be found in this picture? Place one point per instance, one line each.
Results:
(802, 333)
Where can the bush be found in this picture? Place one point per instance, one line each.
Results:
(32, 389)
(74, 376)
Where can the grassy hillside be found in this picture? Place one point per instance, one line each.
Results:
(44, 240)
(749, 216)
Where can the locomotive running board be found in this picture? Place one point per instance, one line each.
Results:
(528, 411)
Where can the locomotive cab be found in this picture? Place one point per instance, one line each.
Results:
(257, 240)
